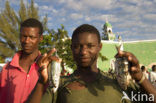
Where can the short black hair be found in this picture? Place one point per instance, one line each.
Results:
(86, 28)
(32, 22)
(143, 68)
(154, 68)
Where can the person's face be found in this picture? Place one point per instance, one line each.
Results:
(30, 38)
(85, 49)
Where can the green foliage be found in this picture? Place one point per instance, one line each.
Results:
(61, 41)
(102, 57)
(2, 60)
(10, 25)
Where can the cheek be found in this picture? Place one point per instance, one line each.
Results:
(75, 55)
(94, 53)
(21, 39)
(75, 51)
(35, 42)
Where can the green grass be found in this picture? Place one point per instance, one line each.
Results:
(144, 51)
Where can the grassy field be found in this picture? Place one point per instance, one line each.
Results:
(145, 51)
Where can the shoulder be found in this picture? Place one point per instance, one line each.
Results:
(67, 79)
(4, 73)
(107, 79)
(106, 76)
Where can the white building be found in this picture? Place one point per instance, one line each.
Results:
(1, 66)
(108, 33)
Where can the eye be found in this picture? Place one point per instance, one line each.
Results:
(32, 37)
(76, 46)
(90, 45)
(23, 36)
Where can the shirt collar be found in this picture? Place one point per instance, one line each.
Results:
(15, 59)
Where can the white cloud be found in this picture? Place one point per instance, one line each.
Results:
(49, 18)
(131, 17)
(150, 16)
(54, 11)
(61, 1)
(48, 9)
(101, 17)
(87, 18)
(84, 5)
(36, 5)
(63, 19)
(44, 7)
(100, 4)
(76, 16)
(76, 5)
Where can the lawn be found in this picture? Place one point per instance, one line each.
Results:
(145, 51)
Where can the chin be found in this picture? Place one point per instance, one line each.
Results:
(27, 52)
(84, 65)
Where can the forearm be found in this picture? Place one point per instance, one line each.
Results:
(149, 88)
(145, 84)
(36, 95)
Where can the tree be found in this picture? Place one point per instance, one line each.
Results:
(2, 60)
(61, 41)
(10, 25)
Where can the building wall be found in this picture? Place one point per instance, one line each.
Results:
(1, 66)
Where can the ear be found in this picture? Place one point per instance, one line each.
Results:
(100, 46)
(41, 37)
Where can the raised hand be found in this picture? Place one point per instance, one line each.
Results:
(43, 63)
(134, 67)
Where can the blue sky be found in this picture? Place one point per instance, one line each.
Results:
(132, 19)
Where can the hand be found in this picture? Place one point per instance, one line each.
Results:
(43, 63)
(134, 67)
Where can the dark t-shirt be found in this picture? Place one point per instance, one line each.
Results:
(102, 90)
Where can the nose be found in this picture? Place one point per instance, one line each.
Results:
(83, 50)
(27, 39)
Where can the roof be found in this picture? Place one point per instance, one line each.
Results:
(107, 24)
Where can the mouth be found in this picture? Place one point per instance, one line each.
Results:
(84, 59)
(26, 47)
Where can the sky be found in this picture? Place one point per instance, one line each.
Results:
(132, 19)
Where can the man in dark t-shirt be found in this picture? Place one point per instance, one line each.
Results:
(87, 84)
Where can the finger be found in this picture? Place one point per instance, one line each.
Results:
(130, 57)
(54, 58)
(39, 52)
(51, 52)
(44, 57)
(133, 70)
(41, 68)
(41, 59)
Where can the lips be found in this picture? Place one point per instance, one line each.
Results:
(84, 59)
(26, 47)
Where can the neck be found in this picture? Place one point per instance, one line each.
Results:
(88, 74)
(87, 69)
(31, 57)
(90, 69)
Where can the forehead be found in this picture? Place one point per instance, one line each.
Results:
(29, 30)
(85, 38)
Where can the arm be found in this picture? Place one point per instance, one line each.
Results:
(136, 73)
(38, 91)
